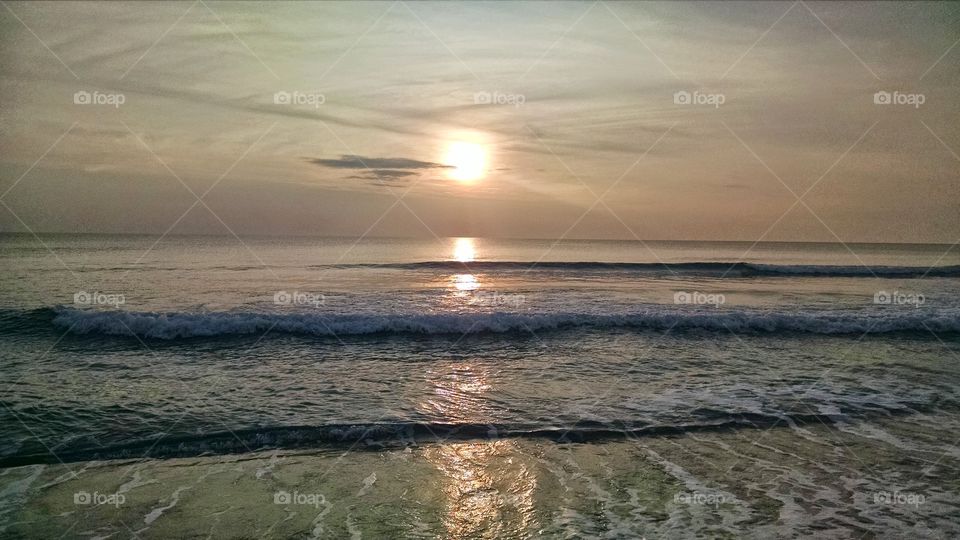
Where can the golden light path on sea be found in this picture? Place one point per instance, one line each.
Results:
(465, 251)
(486, 491)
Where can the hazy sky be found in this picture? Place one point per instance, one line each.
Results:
(581, 105)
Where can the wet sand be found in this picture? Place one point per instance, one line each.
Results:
(812, 481)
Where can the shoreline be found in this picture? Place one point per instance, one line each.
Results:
(718, 484)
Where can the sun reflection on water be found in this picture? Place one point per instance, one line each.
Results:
(487, 485)
(464, 250)
(489, 493)
(466, 282)
(458, 394)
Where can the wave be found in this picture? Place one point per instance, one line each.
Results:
(174, 325)
(380, 435)
(739, 269)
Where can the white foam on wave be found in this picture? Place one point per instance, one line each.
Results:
(175, 325)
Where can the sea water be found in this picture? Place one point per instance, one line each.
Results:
(278, 387)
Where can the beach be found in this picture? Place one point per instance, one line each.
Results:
(463, 389)
(781, 483)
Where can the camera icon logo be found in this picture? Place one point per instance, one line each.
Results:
(82, 497)
(682, 98)
(82, 298)
(882, 297)
(282, 298)
(882, 98)
(681, 297)
(482, 98)
(282, 98)
(82, 97)
(282, 497)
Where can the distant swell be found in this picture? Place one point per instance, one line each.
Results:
(739, 269)
(380, 435)
(174, 325)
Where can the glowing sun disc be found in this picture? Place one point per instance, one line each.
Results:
(467, 159)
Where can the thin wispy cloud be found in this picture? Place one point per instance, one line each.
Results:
(361, 162)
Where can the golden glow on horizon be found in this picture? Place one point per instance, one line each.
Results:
(467, 159)
(464, 250)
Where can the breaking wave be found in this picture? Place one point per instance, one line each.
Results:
(175, 325)
(387, 434)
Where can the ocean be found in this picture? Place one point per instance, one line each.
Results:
(218, 387)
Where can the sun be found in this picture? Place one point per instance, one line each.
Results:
(467, 159)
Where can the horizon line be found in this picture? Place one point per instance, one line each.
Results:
(505, 238)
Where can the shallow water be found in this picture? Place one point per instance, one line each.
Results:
(811, 481)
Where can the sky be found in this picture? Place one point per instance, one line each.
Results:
(615, 120)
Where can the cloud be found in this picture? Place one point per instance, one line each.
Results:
(361, 162)
(393, 172)
(384, 177)
(384, 173)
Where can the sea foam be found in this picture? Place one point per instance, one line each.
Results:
(174, 325)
